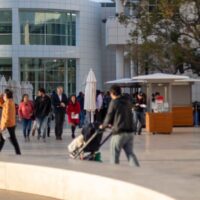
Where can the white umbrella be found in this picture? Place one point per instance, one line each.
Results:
(9, 84)
(23, 88)
(13, 87)
(3, 84)
(30, 90)
(90, 94)
(18, 92)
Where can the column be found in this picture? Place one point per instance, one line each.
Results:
(15, 44)
(119, 6)
(133, 68)
(149, 95)
(170, 96)
(119, 62)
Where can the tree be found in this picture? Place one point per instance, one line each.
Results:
(167, 35)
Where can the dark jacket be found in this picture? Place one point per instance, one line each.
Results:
(42, 106)
(80, 99)
(138, 104)
(56, 103)
(120, 116)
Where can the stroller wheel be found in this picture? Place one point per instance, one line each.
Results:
(71, 156)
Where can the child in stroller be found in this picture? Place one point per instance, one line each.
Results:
(86, 145)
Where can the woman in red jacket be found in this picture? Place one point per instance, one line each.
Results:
(25, 112)
(73, 111)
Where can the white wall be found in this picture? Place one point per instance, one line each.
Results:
(67, 184)
(117, 33)
(87, 52)
(90, 41)
(108, 54)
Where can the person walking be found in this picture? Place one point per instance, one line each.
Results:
(59, 102)
(50, 119)
(99, 106)
(139, 110)
(41, 112)
(25, 112)
(80, 99)
(8, 120)
(73, 111)
(106, 102)
(120, 118)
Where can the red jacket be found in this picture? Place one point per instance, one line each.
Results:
(25, 110)
(73, 109)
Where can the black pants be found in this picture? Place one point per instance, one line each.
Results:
(59, 121)
(13, 140)
(98, 116)
(104, 112)
(73, 129)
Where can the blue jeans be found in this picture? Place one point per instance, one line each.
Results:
(123, 141)
(26, 123)
(42, 126)
(140, 121)
(82, 118)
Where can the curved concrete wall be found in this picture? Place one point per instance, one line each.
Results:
(69, 185)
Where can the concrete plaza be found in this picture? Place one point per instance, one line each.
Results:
(169, 163)
(8, 195)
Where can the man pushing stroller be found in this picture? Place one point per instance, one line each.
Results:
(120, 118)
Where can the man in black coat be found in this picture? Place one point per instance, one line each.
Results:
(59, 102)
(42, 108)
(120, 118)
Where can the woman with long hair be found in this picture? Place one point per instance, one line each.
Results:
(25, 112)
(73, 111)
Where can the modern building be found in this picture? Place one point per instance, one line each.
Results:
(57, 42)
(50, 42)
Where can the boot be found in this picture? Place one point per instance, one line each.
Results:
(48, 131)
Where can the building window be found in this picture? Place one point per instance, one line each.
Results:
(5, 27)
(71, 71)
(48, 28)
(153, 4)
(131, 8)
(108, 5)
(49, 73)
(6, 67)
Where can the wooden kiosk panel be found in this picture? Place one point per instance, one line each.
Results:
(159, 122)
(182, 116)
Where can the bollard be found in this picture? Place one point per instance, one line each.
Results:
(196, 116)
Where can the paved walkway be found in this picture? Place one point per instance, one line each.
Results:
(7, 195)
(170, 164)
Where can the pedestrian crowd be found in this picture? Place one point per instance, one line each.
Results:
(123, 112)
(36, 115)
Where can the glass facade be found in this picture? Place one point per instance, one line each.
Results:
(131, 8)
(48, 27)
(49, 73)
(153, 5)
(71, 73)
(5, 27)
(6, 67)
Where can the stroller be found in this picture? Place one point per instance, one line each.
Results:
(87, 145)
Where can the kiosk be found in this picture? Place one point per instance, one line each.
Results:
(159, 116)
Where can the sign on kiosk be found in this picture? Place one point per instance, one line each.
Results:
(159, 105)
